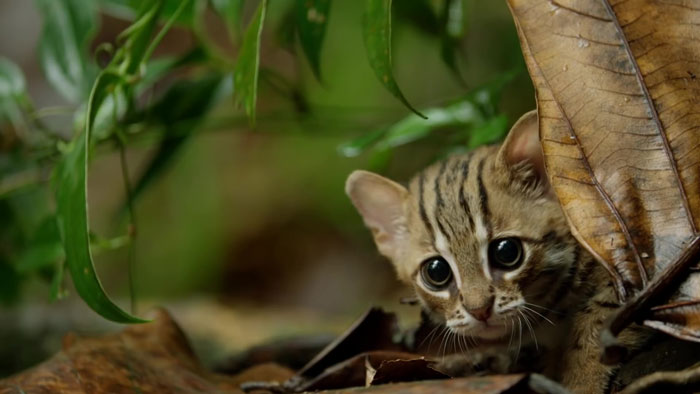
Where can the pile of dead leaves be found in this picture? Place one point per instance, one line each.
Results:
(373, 355)
(157, 358)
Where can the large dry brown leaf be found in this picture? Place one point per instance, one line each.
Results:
(618, 103)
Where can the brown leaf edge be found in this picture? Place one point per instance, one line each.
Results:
(659, 289)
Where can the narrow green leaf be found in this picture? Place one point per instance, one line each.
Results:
(137, 36)
(475, 113)
(184, 17)
(157, 69)
(68, 26)
(360, 144)
(376, 29)
(312, 17)
(453, 31)
(181, 109)
(413, 127)
(12, 83)
(70, 179)
(245, 75)
(12, 94)
(231, 11)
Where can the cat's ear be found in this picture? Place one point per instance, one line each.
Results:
(521, 153)
(382, 204)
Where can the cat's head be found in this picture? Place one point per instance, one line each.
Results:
(479, 236)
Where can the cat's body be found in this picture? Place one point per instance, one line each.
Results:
(484, 243)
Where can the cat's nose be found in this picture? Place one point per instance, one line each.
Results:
(483, 312)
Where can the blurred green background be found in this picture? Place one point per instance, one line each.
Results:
(246, 234)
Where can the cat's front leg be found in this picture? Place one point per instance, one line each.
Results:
(474, 363)
(583, 372)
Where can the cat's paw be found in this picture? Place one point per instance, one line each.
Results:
(474, 363)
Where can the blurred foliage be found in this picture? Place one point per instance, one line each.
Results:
(126, 92)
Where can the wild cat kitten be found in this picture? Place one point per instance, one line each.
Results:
(484, 243)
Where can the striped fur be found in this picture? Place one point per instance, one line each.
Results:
(555, 300)
(468, 200)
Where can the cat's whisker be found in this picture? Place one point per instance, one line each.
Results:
(463, 345)
(528, 309)
(466, 342)
(441, 335)
(443, 341)
(455, 343)
(430, 335)
(512, 331)
(529, 327)
(450, 342)
(458, 342)
(520, 340)
(543, 308)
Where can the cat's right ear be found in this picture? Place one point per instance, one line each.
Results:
(382, 204)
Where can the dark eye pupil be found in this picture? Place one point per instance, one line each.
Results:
(505, 252)
(437, 272)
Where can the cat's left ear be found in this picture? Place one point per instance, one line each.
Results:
(521, 152)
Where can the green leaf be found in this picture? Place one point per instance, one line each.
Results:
(453, 32)
(376, 29)
(70, 179)
(162, 66)
(12, 83)
(12, 94)
(362, 143)
(181, 109)
(231, 11)
(413, 127)
(68, 26)
(137, 36)
(184, 17)
(245, 75)
(312, 17)
(476, 113)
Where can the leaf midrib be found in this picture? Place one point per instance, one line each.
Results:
(655, 116)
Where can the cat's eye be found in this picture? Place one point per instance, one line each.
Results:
(436, 272)
(505, 253)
